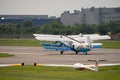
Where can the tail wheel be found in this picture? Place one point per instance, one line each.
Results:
(61, 52)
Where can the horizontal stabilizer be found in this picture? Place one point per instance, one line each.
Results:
(96, 45)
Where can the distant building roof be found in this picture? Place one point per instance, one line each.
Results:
(24, 16)
(36, 19)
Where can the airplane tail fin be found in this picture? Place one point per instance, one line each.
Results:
(95, 68)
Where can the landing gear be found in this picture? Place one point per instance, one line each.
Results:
(61, 52)
(86, 53)
(76, 52)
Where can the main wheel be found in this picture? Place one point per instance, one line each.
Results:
(61, 52)
(76, 52)
(86, 53)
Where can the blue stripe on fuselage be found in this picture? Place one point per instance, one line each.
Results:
(81, 50)
(48, 44)
(63, 48)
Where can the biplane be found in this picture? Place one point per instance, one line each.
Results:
(77, 43)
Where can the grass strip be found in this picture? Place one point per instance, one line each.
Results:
(110, 44)
(32, 42)
(57, 73)
(6, 55)
(19, 42)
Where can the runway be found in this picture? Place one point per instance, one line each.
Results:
(30, 55)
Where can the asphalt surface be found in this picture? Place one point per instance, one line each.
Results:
(30, 55)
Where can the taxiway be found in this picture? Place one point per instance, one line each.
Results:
(30, 55)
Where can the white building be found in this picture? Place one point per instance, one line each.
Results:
(90, 16)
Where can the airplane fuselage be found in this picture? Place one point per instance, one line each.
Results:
(66, 45)
(77, 47)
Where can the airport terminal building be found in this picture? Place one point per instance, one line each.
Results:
(91, 16)
(36, 19)
(84, 16)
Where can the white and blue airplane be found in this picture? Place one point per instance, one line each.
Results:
(76, 43)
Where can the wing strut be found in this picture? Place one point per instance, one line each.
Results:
(73, 39)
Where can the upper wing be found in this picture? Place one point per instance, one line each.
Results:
(46, 35)
(93, 37)
(83, 35)
(51, 37)
(100, 37)
(74, 38)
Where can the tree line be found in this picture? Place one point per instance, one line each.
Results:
(54, 27)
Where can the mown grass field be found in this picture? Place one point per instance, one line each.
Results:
(6, 55)
(33, 42)
(111, 44)
(58, 73)
(19, 42)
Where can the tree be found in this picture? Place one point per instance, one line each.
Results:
(27, 23)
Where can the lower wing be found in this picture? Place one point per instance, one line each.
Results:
(57, 47)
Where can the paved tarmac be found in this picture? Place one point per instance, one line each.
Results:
(30, 55)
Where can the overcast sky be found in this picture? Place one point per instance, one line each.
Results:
(51, 7)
